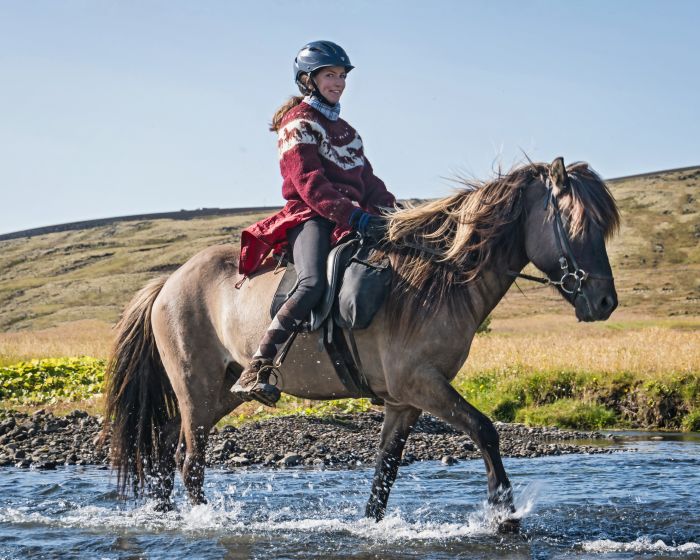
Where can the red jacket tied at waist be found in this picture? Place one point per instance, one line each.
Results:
(325, 173)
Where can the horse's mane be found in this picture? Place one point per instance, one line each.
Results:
(442, 244)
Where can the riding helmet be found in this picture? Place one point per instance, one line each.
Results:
(318, 54)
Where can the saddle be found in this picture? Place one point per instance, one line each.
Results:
(356, 288)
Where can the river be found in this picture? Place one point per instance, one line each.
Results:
(641, 502)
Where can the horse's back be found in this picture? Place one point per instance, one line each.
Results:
(204, 300)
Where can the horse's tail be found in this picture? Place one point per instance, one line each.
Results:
(139, 399)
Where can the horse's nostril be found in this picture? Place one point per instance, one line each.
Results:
(607, 303)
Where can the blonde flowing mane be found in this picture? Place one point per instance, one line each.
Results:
(442, 244)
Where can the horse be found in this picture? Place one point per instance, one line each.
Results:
(184, 339)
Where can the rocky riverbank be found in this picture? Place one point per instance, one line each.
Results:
(45, 441)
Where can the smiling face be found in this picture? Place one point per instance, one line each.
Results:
(330, 82)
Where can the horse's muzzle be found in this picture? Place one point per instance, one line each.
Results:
(596, 302)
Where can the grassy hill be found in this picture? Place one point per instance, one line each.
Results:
(90, 274)
(61, 292)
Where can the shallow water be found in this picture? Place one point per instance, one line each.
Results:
(641, 503)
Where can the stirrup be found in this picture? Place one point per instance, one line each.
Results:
(261, 390)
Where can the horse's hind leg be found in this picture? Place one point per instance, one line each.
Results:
(196, 428)
(165, 474)
(196, 431)
(398, 423)
(443, 401)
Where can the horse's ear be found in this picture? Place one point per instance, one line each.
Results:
(558, 175)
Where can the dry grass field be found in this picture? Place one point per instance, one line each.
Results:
(61, 293)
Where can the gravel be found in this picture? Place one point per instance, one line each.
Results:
(45, 441)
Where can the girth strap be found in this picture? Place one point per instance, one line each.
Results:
(345, 366)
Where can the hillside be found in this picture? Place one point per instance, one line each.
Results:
(91, 273)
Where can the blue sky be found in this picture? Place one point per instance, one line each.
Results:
(119, 107)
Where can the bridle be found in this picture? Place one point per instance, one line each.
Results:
(573, 276)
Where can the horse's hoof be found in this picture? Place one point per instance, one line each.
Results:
(374, 512)
(509, 526)
(163, 507)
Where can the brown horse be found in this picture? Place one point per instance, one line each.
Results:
(183, 340)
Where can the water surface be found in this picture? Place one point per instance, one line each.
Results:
(635, 504)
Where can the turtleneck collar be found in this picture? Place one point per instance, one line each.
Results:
(331, 112)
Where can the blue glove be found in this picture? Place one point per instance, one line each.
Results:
(368, 225)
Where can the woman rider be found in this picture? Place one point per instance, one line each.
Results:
(330, 190)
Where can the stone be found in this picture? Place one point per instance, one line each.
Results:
(290, 460)
(239, 461)
(448, 460)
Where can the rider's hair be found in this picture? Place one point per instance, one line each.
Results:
(292, 102)
(283, 110)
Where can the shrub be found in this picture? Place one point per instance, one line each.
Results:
(51, 380)
(568, 413)
(505, 410)
(691, 423)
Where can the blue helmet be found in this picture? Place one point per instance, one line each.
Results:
(315, 55)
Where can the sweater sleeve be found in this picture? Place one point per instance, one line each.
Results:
(377, 193)
(302, 164)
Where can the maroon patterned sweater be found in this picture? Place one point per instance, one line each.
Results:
(325, 173)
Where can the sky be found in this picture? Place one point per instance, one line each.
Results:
(110, 108)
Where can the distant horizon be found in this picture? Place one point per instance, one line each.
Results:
(206, 210)
(123, 108)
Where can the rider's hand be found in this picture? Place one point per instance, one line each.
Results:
(369, 225)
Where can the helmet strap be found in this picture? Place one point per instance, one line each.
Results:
(316, 93)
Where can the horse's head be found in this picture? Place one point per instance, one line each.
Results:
(569, 216)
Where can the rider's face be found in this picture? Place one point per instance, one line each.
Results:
(331, 83)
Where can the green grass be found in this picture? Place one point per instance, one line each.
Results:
(569, 413)
(51, 380)
(564, 398)
(585, 400)
(289, 405)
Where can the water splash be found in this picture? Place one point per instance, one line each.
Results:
(225, 516)
(642, 544)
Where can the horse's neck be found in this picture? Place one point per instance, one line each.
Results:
(450, 329)
(489, 287)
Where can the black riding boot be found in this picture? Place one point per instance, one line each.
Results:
(254, 382)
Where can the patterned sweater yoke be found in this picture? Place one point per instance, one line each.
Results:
(337, 141)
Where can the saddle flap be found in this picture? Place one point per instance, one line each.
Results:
(335, 265)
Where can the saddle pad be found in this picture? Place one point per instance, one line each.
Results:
(335, 265)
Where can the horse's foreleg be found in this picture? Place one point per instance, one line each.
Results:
(398, 423)
(442, 400)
